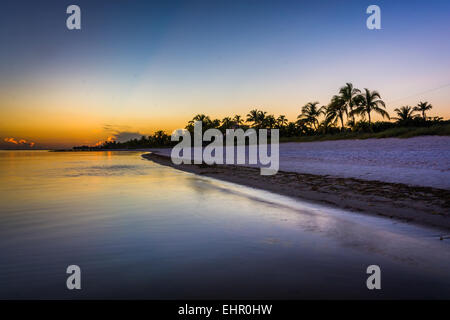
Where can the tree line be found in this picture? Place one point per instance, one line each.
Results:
(351, 110)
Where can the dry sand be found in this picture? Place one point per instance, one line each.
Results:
(423, 205)
(418, 161)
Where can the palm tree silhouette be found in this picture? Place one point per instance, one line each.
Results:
(369, 101)
(257, 117)
(269, 121)
(422, 107)
(282, 121)
(213, 124)
(336, 110)
(227, 123)
(201, 117)
(404, 114)
(326, 125)
(310, 114)
(252, 116)
(160, 137)
(261, 118)
(348, 94)
(206, 122)
(238, 120)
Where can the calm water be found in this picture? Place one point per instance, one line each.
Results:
(140, 230)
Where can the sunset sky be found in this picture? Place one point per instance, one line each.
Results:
(139, 66)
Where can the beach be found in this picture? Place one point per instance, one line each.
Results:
(406, 179)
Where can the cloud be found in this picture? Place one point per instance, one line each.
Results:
(11, 140)
(126, 135)
(109, 139)
(119, 133)
(120, 136)
(115, 127)
(20, 142)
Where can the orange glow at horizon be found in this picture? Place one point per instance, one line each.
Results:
(58, 116)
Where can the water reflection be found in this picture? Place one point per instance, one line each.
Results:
(140, 230)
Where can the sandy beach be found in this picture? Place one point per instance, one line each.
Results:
(418, 195)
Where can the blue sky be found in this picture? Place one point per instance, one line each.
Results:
(145, 64)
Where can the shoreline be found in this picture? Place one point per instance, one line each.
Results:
(420, 205)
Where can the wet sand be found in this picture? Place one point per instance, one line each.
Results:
(422, 205)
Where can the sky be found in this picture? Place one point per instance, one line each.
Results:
(139, 66)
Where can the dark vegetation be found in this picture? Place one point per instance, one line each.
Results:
(347, 116)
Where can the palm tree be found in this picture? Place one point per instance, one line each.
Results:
(238, 120)
(422, 107)
(292, 129)
(348, 94)
(160, 137)
(257, 117)
(404, 114)
(269, 121)
(201, 117)
(213, 124)
(227, 123)
(303, 127)
(252, 116)
(336, 110)
(282, 121)
(206, 122)
(326, 124)
(261, 118)
(370, 101)
(310, 114)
